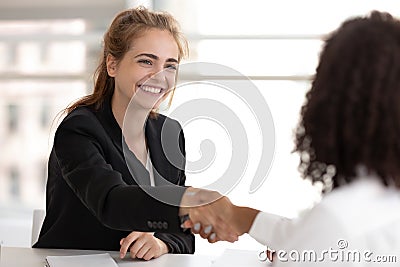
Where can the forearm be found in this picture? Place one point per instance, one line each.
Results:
(243, 218)
(270, 229)
(129, 208)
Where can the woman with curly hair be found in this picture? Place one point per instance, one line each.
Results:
(348, 140)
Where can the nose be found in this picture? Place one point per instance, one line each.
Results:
(158, 75)
(161, 76)
(157, 68)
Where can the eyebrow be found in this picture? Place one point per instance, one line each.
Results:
(156, 57)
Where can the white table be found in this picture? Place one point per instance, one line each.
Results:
(35, 257)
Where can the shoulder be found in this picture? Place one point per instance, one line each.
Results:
(81, 121)
(79, 132)
(80, 113)
(353, 216)
(81, 116)
(354, 209)
(363, 205)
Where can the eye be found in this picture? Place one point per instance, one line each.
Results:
(145, 62)
(171, 67)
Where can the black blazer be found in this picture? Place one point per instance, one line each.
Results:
(92, 199)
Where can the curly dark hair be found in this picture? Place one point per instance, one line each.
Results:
(351, 116)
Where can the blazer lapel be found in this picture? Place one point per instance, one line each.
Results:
(136, 169)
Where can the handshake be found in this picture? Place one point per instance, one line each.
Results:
(213, 216)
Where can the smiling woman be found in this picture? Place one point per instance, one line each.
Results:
(93, 200)
(140, 74)
(142, 83)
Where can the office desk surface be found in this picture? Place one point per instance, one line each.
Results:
(35, 257)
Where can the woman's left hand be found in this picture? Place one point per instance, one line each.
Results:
(142, 246)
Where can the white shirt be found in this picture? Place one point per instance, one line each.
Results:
(149, 168)
(352, 225)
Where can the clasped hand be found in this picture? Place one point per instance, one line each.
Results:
(213, 216)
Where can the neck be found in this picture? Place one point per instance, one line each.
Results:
(133, 126)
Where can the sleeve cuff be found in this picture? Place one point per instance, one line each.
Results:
(269, 229)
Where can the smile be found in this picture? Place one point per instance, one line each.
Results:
(151, 89)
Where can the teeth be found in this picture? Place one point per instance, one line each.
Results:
(150, 89)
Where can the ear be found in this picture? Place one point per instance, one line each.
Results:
(111, 63)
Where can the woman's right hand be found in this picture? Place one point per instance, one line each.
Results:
(210, 215)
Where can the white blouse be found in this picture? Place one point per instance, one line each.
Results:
(354, 225)
(149, 168)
